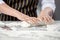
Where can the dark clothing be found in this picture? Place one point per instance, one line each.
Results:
(27, 7)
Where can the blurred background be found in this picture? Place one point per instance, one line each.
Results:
(57, 12)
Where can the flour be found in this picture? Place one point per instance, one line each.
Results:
(32, 31)
(54, 27)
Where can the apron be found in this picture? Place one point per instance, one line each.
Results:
(27, 7)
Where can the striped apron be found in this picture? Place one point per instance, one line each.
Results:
(27, 7)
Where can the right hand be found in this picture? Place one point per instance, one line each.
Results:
(31, 20)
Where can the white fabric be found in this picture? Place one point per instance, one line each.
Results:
(1, 1)
(48, 3)
(45, 3)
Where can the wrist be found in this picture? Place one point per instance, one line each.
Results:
(22, 16)
(47, 11)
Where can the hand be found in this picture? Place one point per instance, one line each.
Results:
(45, 17)
(31, 20)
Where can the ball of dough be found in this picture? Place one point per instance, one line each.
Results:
(25, 24)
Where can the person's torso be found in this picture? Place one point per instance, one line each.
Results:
(27, 7)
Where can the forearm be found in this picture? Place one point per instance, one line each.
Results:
(4, 8)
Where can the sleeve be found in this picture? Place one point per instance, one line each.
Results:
(1, 1)
(48, 3)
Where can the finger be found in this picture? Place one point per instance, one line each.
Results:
(41, 19)
(46, 20)
(36, 21)
(31, 21)
(51, 20)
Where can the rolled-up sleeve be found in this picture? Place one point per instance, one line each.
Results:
(1, 1)
(48, 3)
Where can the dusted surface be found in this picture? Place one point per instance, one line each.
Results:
(36, 33)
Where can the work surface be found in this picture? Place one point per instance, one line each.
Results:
(49, 32)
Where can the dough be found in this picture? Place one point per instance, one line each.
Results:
(22, 24)
(25, 24)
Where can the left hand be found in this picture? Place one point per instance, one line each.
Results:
(45, 17)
